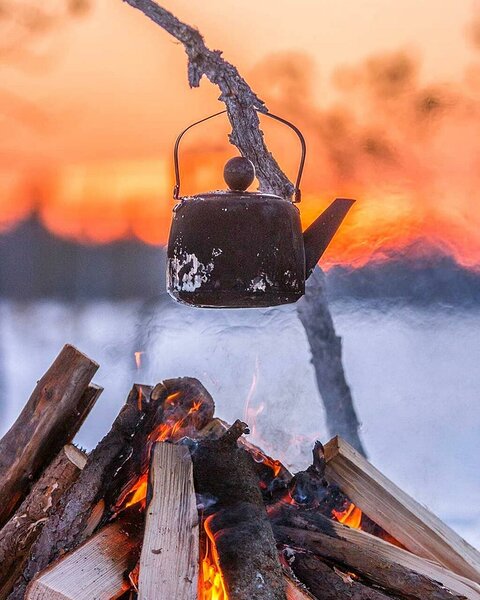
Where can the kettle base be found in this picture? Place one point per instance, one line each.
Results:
(230, 299)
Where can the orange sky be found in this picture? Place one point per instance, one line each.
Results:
(387, 93)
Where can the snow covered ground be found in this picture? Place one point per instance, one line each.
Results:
(414, 376)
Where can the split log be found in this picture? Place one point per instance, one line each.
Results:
(395, 570)
(170, 552)
(174, 407)
(70, 524)
(50, 419)
(406, 520)
(21, 531)
(296, 590)
(331, 583)
(96, 569)
(226, 481)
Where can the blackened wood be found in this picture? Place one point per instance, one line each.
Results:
(331, 583)
(24, 527)
(50, 419)
(378, 562)
(419, 530)
(67, 527)
(177, 408)
(225, 480)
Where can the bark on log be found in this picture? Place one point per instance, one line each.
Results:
(225, 480)
(69, 525)
(331, 583)
(50, 419)
(326, 349)
(21, 531)
(396, 571)
(173, 409)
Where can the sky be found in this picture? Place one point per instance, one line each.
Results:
(387, 94)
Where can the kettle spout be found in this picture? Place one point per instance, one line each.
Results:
(320, 233)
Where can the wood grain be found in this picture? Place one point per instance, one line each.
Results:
(406, 520)
(20, 532)
(169, 561)
(95, 570)
(50, 419)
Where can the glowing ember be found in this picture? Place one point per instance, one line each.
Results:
(352, 516)
(211, 584)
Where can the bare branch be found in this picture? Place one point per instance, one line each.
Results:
(237, 95)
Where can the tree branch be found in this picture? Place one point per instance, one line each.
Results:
(241, 102)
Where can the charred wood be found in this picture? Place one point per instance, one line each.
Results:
(52, 416)
(225, 479)
(379, 563)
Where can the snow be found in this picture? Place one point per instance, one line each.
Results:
(414, 376)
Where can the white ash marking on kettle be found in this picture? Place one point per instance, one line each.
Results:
(259, 283)
(187, 273)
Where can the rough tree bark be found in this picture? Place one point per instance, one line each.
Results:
(242, 105)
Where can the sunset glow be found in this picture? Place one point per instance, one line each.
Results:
(389, 128)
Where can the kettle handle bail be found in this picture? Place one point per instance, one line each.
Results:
(296, 192)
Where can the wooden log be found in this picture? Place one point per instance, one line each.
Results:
(406, 520)
(70, 524)
(226, 482)
(50, 419)
(331, 583)
(169, 560)
(378, 562)
(96, 569)
(118, 462)
(21, 531)
(294, 589)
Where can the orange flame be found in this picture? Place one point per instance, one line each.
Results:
(352, 516)
(211, 584)
(168, 430)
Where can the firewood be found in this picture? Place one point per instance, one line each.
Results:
(170, 552)
(173, 409)
(70, 523)
(393, 569)
(331, 583)
(406, 520)
(50, 419)
(96, 569)
(294, 589)
(21, 531)
(225, 479)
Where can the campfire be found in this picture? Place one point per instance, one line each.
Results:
(174, 503)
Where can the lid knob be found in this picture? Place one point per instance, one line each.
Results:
(239, 173)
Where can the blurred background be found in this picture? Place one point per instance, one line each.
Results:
(387, 93)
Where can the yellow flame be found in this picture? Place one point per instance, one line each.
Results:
(212, 586)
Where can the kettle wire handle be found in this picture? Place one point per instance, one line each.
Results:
(297, 195)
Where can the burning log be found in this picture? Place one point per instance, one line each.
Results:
(330, 583)
(21, 531)
(96, 569)
(295, 589)
(71, 523)
(409, 522)
(54, 413)
(169, 560)
(379, 563)
(237, 522)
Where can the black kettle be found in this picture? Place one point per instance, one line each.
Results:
(239, 249)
